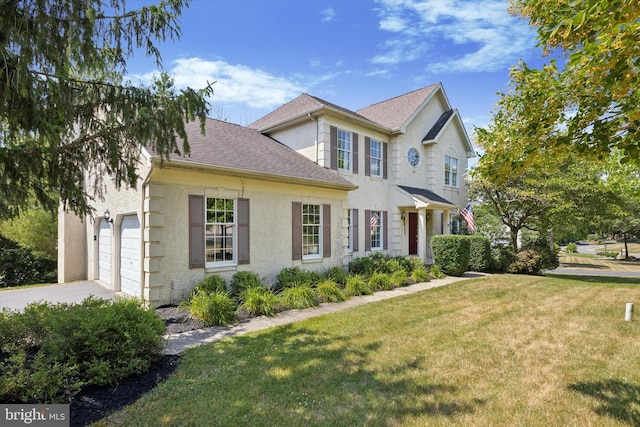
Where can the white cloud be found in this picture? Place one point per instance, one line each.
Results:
(484, 35)
(328, 14)
(234, 83)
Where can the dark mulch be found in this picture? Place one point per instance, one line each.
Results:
(95, 403)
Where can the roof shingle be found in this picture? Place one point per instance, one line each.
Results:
(394, 112)
(242, 149)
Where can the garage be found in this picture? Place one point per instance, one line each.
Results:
(104, 252)
(130, 255)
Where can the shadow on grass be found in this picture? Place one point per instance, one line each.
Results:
(617, 399)
(293, 376)
(584, 265)
(596, 279)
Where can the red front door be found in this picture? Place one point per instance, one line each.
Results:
(413, 233)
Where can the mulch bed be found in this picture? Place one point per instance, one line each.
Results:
(95, 403)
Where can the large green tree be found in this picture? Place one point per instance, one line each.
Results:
(594, 96)
(65, 109)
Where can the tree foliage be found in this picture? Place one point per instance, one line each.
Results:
(35, 230)
(595, 95)
(65, 109)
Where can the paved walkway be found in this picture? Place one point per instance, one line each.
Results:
(178, 343)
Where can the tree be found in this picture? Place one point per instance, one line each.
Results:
(35, 230)
(65, 109)
(595, 96)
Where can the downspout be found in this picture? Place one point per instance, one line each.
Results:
(317, 132)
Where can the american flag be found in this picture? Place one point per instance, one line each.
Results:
(374, 220)
(467, 214)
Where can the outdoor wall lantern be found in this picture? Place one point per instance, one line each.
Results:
(107, 216)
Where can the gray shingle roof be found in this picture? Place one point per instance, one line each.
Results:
(242, 150)
(425, 195)
(435, 130)
(394, 112)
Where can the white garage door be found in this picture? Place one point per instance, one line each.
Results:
(104, 252)
(130, 255)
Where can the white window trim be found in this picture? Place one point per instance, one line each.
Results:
(380, 159)
(320, 242)
(341, 150)
(234, 262)
(379, 225)
(450, 174)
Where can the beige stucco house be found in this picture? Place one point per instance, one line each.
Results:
(311, 184)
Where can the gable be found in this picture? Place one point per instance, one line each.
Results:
(447, 119)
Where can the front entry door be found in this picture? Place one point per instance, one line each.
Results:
(413, 233)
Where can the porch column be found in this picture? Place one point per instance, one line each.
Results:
(446, 229)
(422, 233)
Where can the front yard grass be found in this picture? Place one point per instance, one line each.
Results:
(502, 351)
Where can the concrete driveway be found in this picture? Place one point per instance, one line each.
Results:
(66, 292)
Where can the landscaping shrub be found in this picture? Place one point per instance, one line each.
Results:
(292, 276)
(242, 281)
(299, 296)
(363, 266)
(479, 253)
(259, 301)
(18, 266)
(503, 256)
(420, 274)
(380, 282)
(571, 248)
(329, 291)
(356, 285)
(337, 274)
(607, 254)
(211, 284)
(214, 308)
(436, 273)
(527, 261)
(399, 278)
(451, 253)
(49, 352)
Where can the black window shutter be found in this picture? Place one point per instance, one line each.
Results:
(296, 230)
(354, 230)
(354, 168)
(367, 156)
(326, 231)
(196, 231)
(367, 234)
(333, 147)
(243, 231)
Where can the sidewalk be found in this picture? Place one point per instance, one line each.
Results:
(178, 343)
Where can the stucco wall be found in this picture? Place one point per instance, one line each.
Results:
(169, 276)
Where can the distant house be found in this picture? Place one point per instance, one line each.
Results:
(311, 184)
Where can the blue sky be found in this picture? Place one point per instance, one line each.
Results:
(263, 53)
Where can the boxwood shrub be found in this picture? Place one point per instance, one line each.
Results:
(480, 258)
(49, 352)
(451, 253)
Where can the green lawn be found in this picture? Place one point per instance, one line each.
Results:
(501, 351)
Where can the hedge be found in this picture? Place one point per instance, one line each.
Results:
(451, 253)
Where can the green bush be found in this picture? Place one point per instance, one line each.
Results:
(214, 308)
(211, 284)
(363, 266)
(356, 285)
(299, 296)
(51, 351)
(380, 282)
(292, 276)
(436, 273)
(451, 253)
(503, 256)
(399, 278)
(572, 248)
(607, 254)
(242, 281)
(480, 258)
(259, 301)
(329, 291)
(337, 274)
(420, 275)
(527, 261)
(18, 266)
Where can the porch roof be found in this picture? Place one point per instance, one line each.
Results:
(426, 197)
